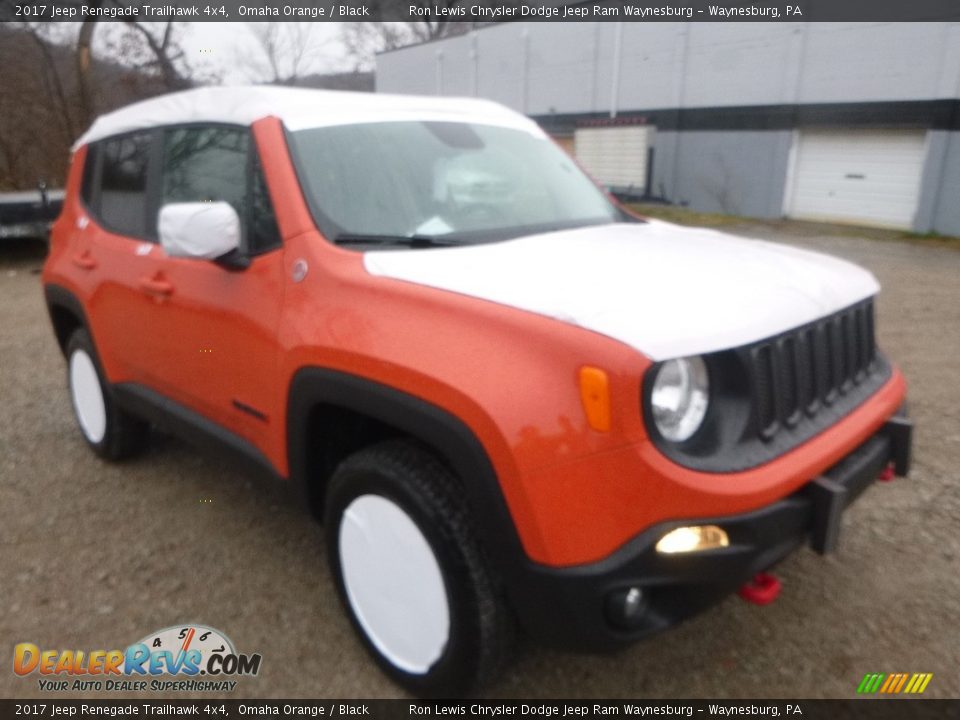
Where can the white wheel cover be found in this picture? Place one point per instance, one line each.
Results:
(87, 396)
(393, 583)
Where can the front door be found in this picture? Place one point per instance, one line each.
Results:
(218, 323)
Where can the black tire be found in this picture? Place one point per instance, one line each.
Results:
(119, 435)
(481, 627)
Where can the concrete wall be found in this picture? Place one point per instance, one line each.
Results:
(939, 208)
(739, 173)
(540, 68)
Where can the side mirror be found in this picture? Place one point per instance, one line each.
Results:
(203, 230)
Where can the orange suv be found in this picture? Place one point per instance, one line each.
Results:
(512, 403)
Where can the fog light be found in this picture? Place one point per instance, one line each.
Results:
(625, 607)
(693, 539)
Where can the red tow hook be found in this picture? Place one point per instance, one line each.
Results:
(763, 589)
(887, 474)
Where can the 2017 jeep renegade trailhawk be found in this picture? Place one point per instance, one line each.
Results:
(511, 402)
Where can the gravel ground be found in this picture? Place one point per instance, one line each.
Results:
(97, 555)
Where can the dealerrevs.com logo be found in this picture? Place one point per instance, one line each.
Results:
(179, 658)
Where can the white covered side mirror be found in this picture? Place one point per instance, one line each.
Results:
(207, 230)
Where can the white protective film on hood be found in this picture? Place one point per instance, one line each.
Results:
(665, 290)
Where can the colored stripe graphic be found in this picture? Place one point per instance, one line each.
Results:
(894, 683)
(923, 679)
(870, 683)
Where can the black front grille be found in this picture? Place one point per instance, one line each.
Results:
(799, 374)
(768, 397)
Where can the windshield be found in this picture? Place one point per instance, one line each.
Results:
(444, 181)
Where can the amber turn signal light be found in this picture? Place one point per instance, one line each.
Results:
(595, 396)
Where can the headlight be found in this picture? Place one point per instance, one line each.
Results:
(679, 398)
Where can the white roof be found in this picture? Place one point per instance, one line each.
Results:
(297, 108)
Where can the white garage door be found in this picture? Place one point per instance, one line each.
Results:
(614, 156)
(869, 177)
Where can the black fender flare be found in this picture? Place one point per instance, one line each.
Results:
(437, 428)
(58, 296)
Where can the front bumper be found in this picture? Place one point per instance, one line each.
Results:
(574, 607)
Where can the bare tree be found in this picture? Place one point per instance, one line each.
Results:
(84, 59)
(156, 50)
(287, 51)
(44, 36)
(162, 54)
(36, 94)
(436, 23)
(363, 40)
(53, 85)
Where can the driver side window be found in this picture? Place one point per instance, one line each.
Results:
(217, 163)
(205, 165)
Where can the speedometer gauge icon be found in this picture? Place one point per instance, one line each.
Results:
(181, 639)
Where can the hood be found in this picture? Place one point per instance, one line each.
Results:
(665, 290)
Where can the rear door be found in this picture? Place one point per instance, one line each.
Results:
(115, 247)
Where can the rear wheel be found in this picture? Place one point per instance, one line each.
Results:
(111, 433)
(410, 571)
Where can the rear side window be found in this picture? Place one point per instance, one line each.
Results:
(123, 184)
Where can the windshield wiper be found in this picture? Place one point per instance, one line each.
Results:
(414, 241)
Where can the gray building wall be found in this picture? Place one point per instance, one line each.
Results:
(568, 67)
(939, 209)
(733, 172)
(555, 70)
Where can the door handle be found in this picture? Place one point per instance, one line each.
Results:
(84, 261)
(156, 286)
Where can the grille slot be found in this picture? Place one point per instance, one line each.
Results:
(804, 371)
(765, 390)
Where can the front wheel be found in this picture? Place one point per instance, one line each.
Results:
(410, 571)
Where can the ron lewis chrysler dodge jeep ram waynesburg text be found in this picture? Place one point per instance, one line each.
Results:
(512, 403)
